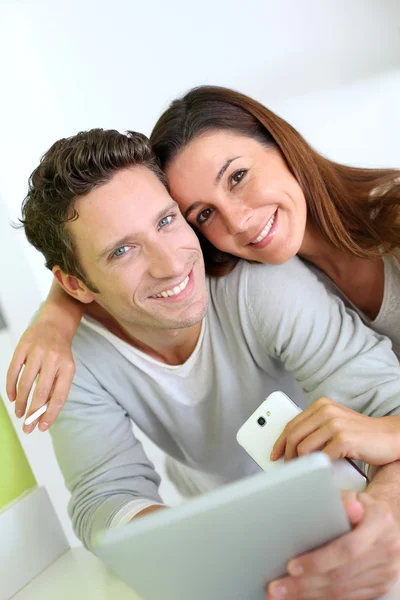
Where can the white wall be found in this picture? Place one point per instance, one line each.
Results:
(72, 66)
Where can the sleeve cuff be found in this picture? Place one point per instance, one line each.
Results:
(130, 510)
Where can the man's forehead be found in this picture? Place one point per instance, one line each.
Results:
(133, 184)
(130, 190)
(118, 210)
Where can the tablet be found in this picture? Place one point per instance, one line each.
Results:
(229, 543)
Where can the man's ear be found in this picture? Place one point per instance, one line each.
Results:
(73, 286)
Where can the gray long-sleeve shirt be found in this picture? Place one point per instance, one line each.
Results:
(263, 322)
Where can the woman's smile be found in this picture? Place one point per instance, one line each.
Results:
(255, 209)
(267, 233)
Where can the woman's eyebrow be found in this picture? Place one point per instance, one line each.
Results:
(191, 208)
(218, 178)
(224, 168)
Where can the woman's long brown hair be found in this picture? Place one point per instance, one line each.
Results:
(356, 210)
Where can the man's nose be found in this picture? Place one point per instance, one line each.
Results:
(165, 260)
(237, 217)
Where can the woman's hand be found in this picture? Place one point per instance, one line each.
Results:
(340, 432)
(44, 351)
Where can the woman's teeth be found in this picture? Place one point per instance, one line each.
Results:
(175, 291)
(265, 231)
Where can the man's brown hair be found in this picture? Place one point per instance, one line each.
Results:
(71, 168)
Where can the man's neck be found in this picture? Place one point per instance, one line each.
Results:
(169, 346)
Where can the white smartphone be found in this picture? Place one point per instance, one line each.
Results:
(261, 430)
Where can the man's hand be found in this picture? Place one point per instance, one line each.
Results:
(360, 565)
(340, 432)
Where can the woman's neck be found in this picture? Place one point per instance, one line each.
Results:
(361, 280)
(336, 263)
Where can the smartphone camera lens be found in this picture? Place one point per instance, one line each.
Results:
(261, 421)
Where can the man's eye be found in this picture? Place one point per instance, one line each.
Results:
(121, 251)
(237, 177)
(203, 216)
(165, 221)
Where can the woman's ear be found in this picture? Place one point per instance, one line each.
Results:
(73, 286)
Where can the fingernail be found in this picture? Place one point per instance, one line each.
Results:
(279, 592)
(11, 397)
(19, 413)
(27, 428)
(295, 569)
(43, 426)
(272, 456)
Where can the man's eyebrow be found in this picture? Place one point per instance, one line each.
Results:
(128, 238)
(218, 178)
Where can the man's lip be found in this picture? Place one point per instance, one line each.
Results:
(152, 297)
(250, 243)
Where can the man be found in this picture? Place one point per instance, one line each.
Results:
(149, 351)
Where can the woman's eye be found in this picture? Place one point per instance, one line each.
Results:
(203, 216)
(237, 177)
(165, 221)
(121, 251)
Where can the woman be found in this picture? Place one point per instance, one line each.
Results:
(254, 189)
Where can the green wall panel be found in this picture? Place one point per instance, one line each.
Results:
(16, 476)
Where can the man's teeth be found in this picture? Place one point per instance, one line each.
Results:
(265, 231)
(175, 291)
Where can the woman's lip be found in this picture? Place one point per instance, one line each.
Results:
(269, 236)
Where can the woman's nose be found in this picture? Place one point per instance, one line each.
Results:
(237, 218)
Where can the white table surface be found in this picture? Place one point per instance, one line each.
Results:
(78, 575)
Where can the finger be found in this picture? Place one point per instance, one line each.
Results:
(359, 583)
(371, 569)
(355, 511)
(296, 434)
(58, 397)
(367, 584)
(312, 587)
(348, 496)
(339, 446)
(278, 448)
(322, 413)
(280, 444)
(348, 548)
(368, 593)
(26, 382)
(14, 371)
(315, 440)
(43, 389)
(30, 425)
(328, 404)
